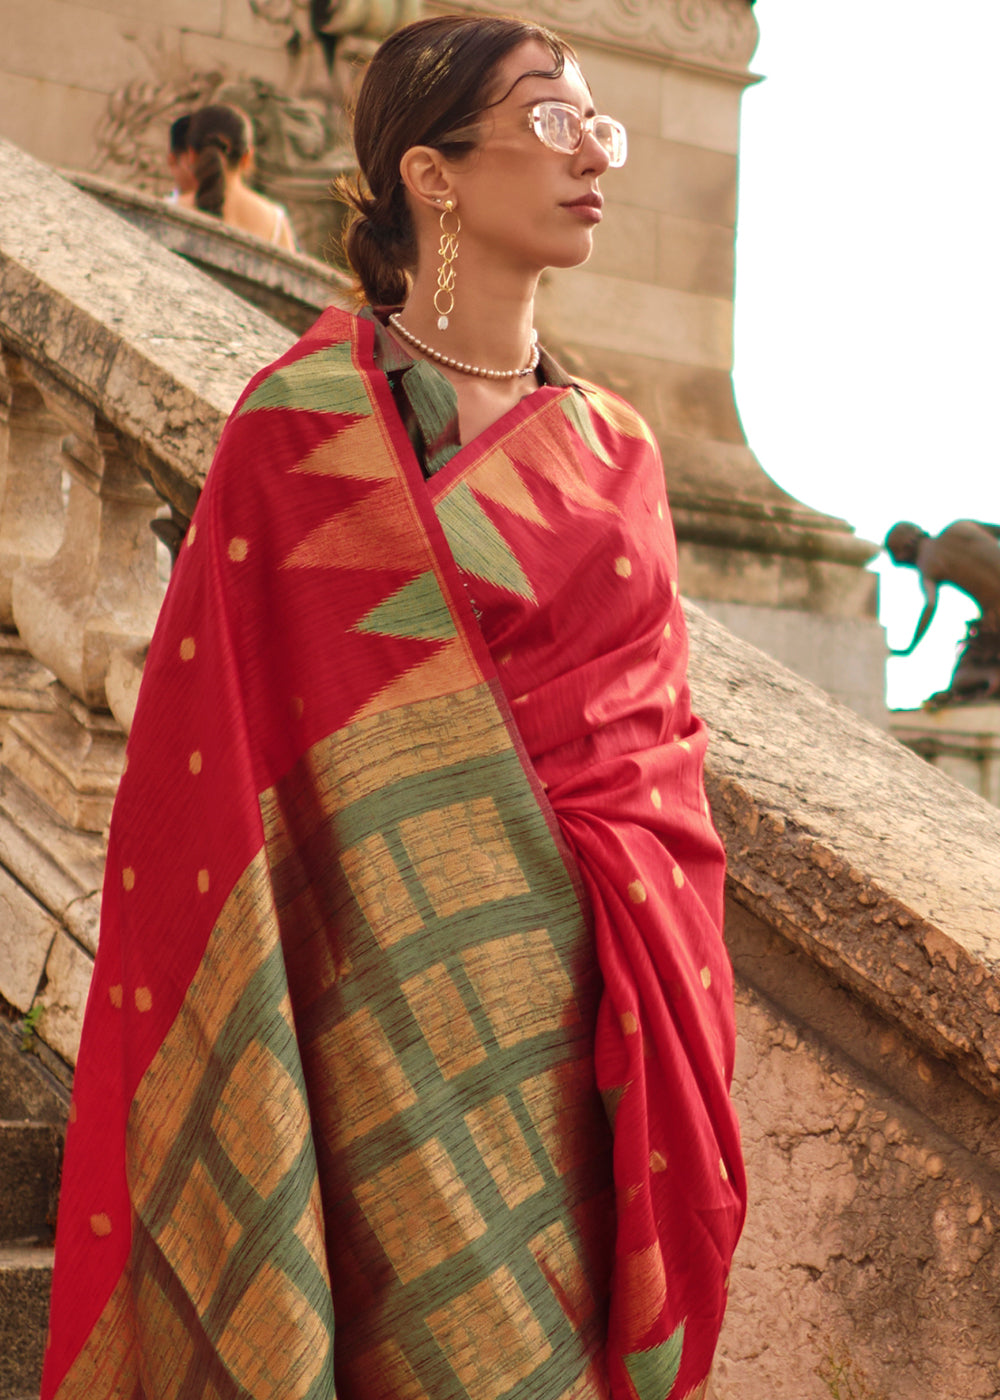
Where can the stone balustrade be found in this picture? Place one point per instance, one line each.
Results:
(119, 364)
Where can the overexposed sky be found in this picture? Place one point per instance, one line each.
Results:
(868, 279)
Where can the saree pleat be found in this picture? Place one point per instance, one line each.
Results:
(401, 762)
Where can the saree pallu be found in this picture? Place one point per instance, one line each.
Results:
(405, 754)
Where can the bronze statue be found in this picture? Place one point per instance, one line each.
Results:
(967, 555)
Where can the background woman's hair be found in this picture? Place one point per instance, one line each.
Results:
(220, 137)
(179, 129)
(426, 81)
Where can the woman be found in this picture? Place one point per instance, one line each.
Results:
(220, 140)
(412, 866)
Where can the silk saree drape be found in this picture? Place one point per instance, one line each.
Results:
(411, 868)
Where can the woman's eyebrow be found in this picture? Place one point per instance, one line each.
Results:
(590, 111)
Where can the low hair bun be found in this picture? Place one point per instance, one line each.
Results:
(374, 252)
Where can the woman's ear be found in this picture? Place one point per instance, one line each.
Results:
(425, 175)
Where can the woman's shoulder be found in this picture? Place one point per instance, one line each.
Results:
(291, 406)
(615, 410)
(301, 377)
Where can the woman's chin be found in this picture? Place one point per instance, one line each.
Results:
(575, 255)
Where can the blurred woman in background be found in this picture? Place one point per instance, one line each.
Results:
(220, 139)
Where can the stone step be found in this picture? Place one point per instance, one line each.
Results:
(30, 1157)
(28, 1090)
(25, 1281)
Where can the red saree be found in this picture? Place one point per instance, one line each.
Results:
(405, 752)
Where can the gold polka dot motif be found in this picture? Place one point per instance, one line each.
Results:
(237, 549)
(187, 649)
(637, 892)
(116, 996)
(706, 977)
(656, 799)
(128, 878)
(101, 1225)
(628, 1023)
(678, 877)
(623, 567)
(194, 762)
(203, 882)
(143, 999)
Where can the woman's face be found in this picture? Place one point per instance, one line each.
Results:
(523, 205)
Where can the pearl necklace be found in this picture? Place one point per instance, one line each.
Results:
(531, 366)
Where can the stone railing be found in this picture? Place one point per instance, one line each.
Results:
(118, 366)
(863, 919)
(864, 888)
(291, 288)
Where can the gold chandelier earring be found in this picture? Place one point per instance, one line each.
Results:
(444, 297)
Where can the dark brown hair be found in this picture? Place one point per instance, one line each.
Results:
(426, 81)
(220, 136)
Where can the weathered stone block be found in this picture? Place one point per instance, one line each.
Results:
(74, 766)
(870, 1247)
(58, 866)
(26, 1090)
(25, 684)
(64, 1000)
(699, 109)
(28, 932)
(25, 1280)
(78, 45)
(690, 183)
(54, 122)
(677, 326)
(627, 246)
(694, 257)
(29, 1169)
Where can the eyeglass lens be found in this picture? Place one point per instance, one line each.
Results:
(563, 129)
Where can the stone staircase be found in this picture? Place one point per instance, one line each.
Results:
(33, 1107)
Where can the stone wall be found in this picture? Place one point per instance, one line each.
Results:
(63, 61)
(864, 924)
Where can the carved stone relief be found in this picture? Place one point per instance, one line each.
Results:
(301, 132)
(715, 31)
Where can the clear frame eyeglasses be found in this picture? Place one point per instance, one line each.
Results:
(561, 127)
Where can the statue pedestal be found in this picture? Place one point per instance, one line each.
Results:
(962, 740)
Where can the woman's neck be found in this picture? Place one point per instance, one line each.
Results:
(490, 325)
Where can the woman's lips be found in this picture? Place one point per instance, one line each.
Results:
(587, 207)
